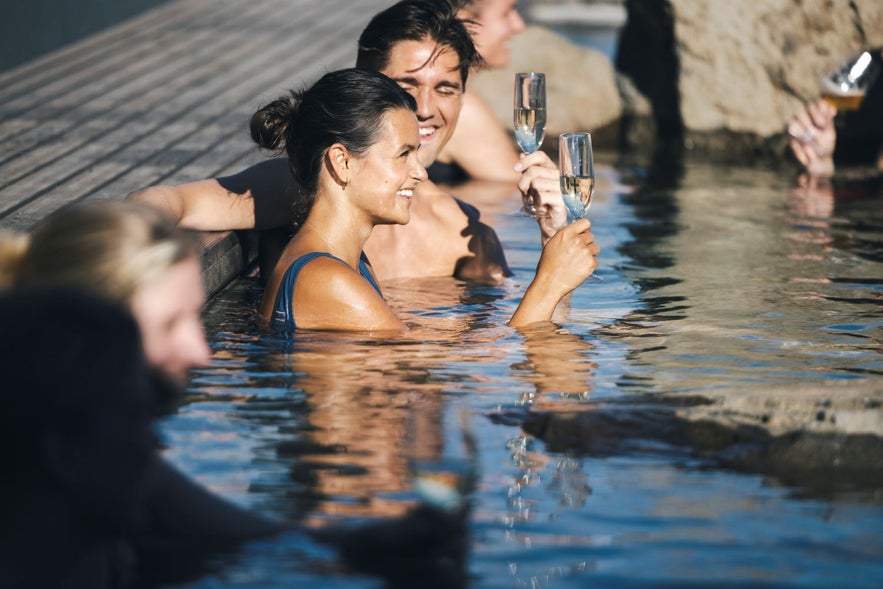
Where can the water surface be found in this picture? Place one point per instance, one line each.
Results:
(714, 278)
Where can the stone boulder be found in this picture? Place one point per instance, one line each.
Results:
(581, 85)
(728, 75)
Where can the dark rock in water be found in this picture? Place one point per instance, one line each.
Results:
(776, 433)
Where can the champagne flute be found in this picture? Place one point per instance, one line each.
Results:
(577, 169)
(530, 117)
(530, 110)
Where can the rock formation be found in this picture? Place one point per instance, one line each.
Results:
(724, 75)
(581, 88)
(710, 76)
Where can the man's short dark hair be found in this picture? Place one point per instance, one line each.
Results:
(416, 20)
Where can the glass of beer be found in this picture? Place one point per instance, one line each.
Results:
(845, 85)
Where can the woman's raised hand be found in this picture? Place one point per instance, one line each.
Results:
(567, 260)
(569, 257)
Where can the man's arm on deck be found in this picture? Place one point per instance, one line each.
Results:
(258, 197)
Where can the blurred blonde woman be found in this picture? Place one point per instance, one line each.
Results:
(135, 255)
(128, 253)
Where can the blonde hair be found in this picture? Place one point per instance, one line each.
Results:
(111, 248)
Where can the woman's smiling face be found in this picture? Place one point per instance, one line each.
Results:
(384, 178)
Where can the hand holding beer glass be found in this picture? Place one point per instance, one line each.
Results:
(812, 131)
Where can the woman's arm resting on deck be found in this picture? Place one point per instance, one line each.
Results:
(258, 197)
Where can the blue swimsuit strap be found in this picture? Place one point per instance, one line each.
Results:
(283, 312)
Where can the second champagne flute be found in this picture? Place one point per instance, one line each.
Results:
(577, 169)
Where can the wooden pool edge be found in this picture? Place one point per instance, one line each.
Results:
(225, 256)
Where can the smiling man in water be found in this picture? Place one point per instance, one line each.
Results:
(424, 47)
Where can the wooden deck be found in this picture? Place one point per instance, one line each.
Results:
(162, 98)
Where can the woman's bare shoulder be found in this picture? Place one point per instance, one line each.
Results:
(331, 294)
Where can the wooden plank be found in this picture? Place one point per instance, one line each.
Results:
(145, 93)
(94, 94)
(162, 98)
(100, 47)
(110, 157)
(279, 44)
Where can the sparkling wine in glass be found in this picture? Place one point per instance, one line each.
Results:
(529, 117)
(530, 110)
(845, 85)
(577, 172)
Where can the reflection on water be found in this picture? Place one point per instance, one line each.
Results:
(749, 275)
(714, 278)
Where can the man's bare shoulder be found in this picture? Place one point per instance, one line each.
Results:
(475, 109)
(445, 206)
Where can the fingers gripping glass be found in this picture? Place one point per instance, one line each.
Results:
(844, 87)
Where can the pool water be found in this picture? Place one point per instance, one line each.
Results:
(713, 279)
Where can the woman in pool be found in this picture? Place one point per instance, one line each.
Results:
(356, 160)
(83, 470)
